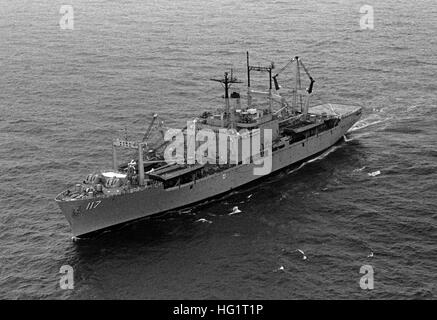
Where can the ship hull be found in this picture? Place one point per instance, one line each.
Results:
(87, 216)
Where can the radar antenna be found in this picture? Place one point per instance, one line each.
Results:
(227, 82)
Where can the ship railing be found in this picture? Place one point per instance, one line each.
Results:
(67, 195)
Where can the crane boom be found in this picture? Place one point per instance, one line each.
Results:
(149, 129)
(310, 88)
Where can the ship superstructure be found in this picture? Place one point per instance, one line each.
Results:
(149, 184)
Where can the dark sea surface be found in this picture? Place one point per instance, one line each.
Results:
(64, 94)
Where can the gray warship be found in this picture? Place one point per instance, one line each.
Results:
(148, 184)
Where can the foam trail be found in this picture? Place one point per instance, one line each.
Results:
(363, 124)
(235, 210)
(304, 257)
(374, 174)
(322, 156)
(294, 170)
(203, 220)
(347, 140)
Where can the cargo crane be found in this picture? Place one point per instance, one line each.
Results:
(297, 92)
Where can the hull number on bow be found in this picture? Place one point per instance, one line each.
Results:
(93, 205)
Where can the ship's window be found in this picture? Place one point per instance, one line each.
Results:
(303, 144)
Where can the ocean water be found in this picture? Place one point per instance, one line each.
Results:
(64, 94)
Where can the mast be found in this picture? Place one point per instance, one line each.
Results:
(227, 82)
(249, 97)
(248, 70)
(260, 69)
(140, 165)
(296, 83)
(114, 158)
(299, 89)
